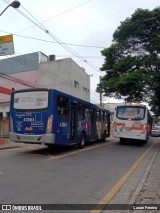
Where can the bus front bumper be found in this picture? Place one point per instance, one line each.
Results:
(37, 139)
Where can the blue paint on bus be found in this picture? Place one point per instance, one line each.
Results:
(48, 116)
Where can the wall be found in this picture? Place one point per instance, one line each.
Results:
(4, 128)
(35, 70)
(20, 63)
(22, 80)
(61, 75)
(79, 75)
(4, 121)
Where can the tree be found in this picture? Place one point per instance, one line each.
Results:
(132, 62)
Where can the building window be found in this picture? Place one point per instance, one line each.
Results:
(85, 90)
(76, 84)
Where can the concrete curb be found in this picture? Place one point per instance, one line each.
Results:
(6, 144)
(8, 147)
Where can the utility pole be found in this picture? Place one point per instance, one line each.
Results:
(100, 92)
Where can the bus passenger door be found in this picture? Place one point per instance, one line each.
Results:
(73, 124)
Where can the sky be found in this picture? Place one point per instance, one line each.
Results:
(84, 27)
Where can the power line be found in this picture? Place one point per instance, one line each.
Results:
(62, 13)
(39, 25)
(31, 67)
(53, 42)
(57, 39)
(17, 80)
(43, 71)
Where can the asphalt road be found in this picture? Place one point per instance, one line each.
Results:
(107, 172)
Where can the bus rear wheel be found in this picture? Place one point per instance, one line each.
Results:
(82, 140)
(121, 140)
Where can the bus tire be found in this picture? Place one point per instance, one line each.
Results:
(145, 141)
(50, 146)
(82, 140)
(121, 140)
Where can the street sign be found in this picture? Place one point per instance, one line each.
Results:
(6, 45)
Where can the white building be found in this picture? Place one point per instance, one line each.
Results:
(67, 76)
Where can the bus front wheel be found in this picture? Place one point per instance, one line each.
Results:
(82, 140)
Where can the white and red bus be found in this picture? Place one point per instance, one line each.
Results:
(132, 122)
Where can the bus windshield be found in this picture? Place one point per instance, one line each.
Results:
(30, 100)
(130, 112)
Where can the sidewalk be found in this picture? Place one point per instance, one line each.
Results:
(149, 193)
(5, 143)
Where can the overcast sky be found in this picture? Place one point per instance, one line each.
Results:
(87, 26)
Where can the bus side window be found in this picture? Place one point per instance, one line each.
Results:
(102, 116)
(62, 107)
(107, 117)
(87, 114)
(98, 115)
(81, 112)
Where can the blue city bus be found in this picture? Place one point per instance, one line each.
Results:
(50, 117)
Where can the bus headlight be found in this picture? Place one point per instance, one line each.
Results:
(49, 124)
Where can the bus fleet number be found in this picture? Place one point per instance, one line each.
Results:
(29, 119)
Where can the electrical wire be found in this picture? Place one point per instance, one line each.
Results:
(53, 42)
(43, 70)
(29, 65)
(62, 13)
(53, 36)
(39, 25)
(46, 72)
(17, 80)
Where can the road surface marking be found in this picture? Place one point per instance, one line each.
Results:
(108, 197)
(76, 152)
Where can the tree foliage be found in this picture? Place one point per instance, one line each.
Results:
(132, 62)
